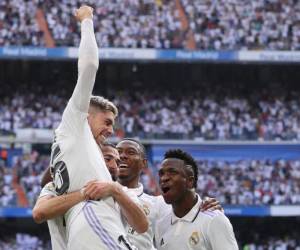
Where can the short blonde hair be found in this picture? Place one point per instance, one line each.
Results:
(102, 104)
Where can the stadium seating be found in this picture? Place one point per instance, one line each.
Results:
(193, 24)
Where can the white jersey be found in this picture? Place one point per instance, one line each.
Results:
(77, 159)
(56, 226)
(154, 208)
(209, 230)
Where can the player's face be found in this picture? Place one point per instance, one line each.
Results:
(101, 124)
(132, 162)
(173, 180)
(112, 160)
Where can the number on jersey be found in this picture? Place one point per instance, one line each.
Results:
(61, 178)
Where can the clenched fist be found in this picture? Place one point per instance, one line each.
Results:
(84, 12)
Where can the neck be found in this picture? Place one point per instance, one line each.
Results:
(129, 183)
(183, 206)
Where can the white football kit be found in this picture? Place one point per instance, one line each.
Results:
(56, 226)
(154, 208)
(77, 159)
(209, 230)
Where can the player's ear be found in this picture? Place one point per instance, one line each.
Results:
(191, 180)
(145, 163)
(190, 177)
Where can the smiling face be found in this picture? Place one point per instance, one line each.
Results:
(175, 180)
(132, 163)
(101, 124)
(112, 160)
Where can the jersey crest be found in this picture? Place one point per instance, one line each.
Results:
(194, 239)
(146, 209)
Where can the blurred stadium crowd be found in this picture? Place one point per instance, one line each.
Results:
(204, 114)
(29, 242)
(250, 182)
(209, 25)
(246, 182)
(20, 183)
(22, 241)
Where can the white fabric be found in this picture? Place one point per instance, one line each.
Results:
(209, 230)
(56, 228)
(154, 207)
(88, 225)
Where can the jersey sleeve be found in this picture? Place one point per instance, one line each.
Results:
(220, 233)
(161, 207)
(48, 189)
(132, 195)
(75, 114)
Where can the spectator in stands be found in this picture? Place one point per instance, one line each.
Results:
(178, 116)
(161, 24)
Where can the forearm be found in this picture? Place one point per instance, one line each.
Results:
(134, 215)
(88, 61)
(49, 208)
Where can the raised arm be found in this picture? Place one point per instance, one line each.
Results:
(88, 60)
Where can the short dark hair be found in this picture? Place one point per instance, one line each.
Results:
(108, 144)
(142, 147)
(186, 158)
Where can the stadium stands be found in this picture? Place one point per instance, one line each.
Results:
(209, 25)
(251, 182)
(22, 241)
(199, 114)
(244, 25)
(246, 182)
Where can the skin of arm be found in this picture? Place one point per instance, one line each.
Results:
(49, 206)
(134, 215)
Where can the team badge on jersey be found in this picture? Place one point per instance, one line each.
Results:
(194, 238)
(146, 209)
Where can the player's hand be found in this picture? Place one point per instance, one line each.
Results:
(95, 190)
(211, 204)
(84, 12)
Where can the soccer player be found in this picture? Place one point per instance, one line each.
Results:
(76, 158)
(133, 162)
(112, 159)
(186, 226)
(51, 207)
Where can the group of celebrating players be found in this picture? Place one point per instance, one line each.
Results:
(92, 197)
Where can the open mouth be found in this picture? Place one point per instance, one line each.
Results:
(123, 166)
(165, 189)
(100, 137)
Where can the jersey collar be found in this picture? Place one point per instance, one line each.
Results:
(190, 216)
(138, 190)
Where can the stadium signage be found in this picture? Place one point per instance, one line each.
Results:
(270, 56)
(230, 210)
(153, 54)
(24, 51)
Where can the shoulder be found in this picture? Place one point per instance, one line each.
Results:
(163, 223)
(147, 197)
(215, 221)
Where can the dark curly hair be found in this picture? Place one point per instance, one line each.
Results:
(187, 158)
